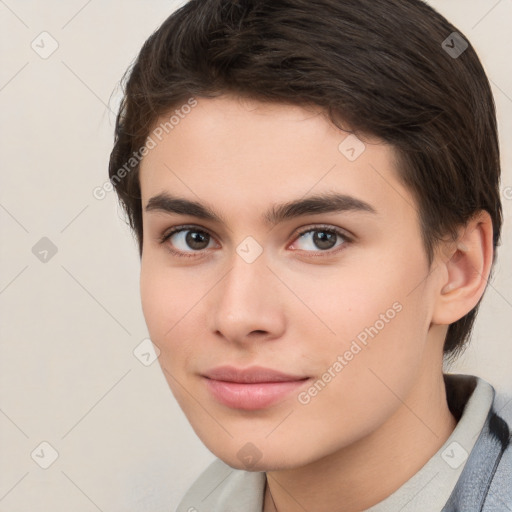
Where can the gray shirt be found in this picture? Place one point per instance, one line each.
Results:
(472, 471)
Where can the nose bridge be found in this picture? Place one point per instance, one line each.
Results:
(245, 298)
(243, 285)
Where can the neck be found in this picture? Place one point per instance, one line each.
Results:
(365, 473)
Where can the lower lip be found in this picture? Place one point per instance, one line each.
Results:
(251, 396)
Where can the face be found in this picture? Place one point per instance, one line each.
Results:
(336, 295)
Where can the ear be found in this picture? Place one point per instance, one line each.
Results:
(465, 267)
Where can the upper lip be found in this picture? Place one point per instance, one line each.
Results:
(252, 375)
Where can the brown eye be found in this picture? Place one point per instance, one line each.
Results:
(321, 239)
(186, 240)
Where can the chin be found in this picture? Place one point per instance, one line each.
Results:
(248, 456)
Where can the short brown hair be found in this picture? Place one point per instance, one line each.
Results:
(379, 66)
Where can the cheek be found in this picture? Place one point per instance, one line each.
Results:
(377, 311)
(381, 317)
(170, 303)
(362, 377)
(363, 295)
(165, 302)
(163, 299)
(153, 292)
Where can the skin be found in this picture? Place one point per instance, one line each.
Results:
(298, 306)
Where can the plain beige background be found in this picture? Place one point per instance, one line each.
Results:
(70, 324)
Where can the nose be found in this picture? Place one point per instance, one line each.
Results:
(246, 305)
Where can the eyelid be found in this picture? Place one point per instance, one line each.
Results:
(176, 229)
(327, 227)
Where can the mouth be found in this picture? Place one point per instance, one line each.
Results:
(251, 388)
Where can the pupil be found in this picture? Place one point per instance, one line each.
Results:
(194, 239)
(324, 240)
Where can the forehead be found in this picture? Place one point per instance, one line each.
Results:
(243, 155)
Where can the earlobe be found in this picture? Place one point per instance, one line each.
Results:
(466, 270)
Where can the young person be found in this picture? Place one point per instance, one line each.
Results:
(314, 187)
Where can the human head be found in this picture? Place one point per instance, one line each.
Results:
(376, 67)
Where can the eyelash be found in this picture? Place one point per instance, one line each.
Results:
(325, 229)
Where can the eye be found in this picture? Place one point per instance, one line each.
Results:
(184, 238)
(322, 239)
(190, 241)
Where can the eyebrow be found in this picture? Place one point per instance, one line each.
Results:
(322, 203)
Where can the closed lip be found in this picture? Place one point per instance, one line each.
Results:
(251, 375)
